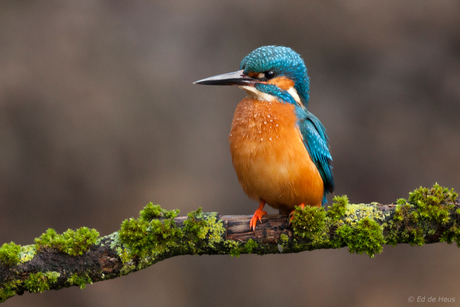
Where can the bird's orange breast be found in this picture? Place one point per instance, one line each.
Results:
(269, 157)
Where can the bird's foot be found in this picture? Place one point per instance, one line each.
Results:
(291, 215)
(257, 216)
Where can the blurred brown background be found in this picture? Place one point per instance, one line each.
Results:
(98, 116)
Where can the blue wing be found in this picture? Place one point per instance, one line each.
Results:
(316, 141)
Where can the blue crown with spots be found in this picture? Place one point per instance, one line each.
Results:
(282, 60)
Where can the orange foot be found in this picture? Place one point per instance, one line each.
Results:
(257, 216)
(302, 206)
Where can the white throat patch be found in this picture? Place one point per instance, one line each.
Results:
(256, 94)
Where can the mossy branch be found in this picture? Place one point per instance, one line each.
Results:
(78, 258)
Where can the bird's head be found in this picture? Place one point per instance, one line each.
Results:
(268, 73)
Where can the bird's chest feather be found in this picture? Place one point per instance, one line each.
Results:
(269, 156)
(262, 128)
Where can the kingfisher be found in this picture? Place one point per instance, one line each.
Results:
(280, 150)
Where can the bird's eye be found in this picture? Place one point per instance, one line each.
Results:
(270, 74)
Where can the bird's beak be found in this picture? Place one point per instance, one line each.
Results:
(231, 78)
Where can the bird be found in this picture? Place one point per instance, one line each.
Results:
(280, 150)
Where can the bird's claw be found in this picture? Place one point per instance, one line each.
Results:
(257, 216)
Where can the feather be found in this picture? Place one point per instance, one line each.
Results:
(316, 141)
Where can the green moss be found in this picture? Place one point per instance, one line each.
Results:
(451, 235)
(354, 225)
(433, 204)
(9, 289)
(37, 283)
(338, 208)
(234, 247)
(404, 226)
(9, 254)
(203, 226)
(155, 236)
(127, 260)
(152, 211)
(134, 234)
(308, 222)
(365, 237)
(284, 238)
(416, 236)
(124, 254)
(402, 212)
(79, 241)
(151, 240)
(420, 216)
(49, 239)
(215, 230)
(70, 242)
(435, 195)
(52, 276)
(80, 280)
(250, 245)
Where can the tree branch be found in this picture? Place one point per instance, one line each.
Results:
(79, 258)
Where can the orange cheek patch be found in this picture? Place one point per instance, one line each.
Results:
(282, 82)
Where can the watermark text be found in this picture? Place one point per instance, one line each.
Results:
(431, 299)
